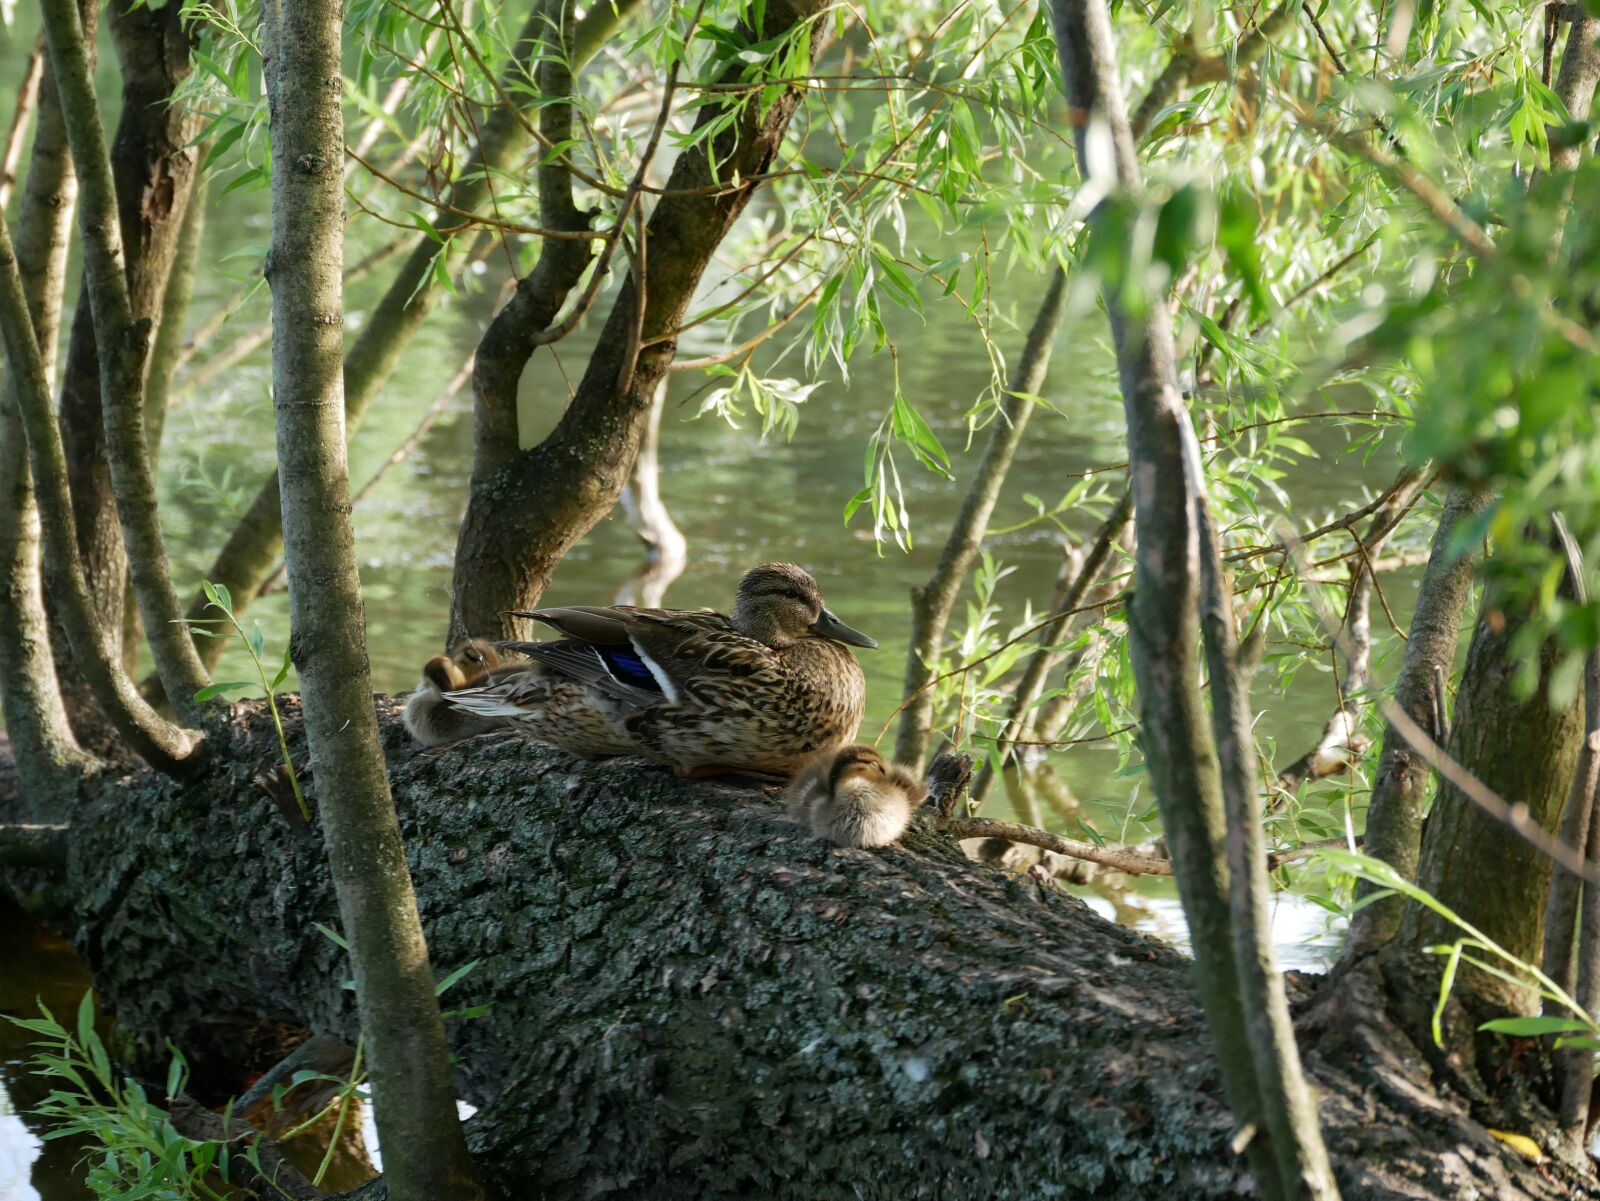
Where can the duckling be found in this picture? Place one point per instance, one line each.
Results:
(854, 797)
(700, 691)
(429, 717)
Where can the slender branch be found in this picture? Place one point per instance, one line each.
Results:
(1562, 935)
(1071, 592)
(1122, 859)
(933, 602)
(27, 102)
(1342, 744)
(248, 341)
(279, 1177)
(399, 454)
(162, 745)
(123, 347)
(425, 1151)
(1394, 813)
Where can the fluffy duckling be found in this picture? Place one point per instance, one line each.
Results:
(854, 796)
(429, 717)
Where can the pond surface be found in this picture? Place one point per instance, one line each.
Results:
(738, 499)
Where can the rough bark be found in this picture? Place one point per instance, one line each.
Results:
(690, 997)
(413, 1099)
(246, 560)
(30, 695)
(933, 602)
(131, 216)
(1580, 73)
(1522, 749)
(527, 508)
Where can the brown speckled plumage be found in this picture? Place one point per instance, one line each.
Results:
(759, 690)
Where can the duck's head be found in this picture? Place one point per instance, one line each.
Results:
(467, 662)
(860, 769)
(779, 603)
(857, 765)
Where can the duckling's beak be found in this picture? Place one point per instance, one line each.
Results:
(829, 626)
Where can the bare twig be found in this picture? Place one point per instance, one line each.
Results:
(27, 102)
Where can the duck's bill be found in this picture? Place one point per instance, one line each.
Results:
(829, 626)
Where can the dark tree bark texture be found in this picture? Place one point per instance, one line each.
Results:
(692, 998)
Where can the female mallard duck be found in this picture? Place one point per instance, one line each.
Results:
(431, 719)
(699, 691)
(854, 797)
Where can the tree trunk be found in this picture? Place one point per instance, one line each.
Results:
(125, 279)
(527, 508)
(1177, 582)
(1399, 790)
(689, 997)
(1526, 751)
(35, 713)
(141, 729)
(153, 164)
(413, 1100)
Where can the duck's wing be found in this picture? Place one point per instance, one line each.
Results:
(691, 652)
(657, 651)
(602, 625)
(615, 671)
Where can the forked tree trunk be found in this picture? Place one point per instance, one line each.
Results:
(527, 507)
(247, 559)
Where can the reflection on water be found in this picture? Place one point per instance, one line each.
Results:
(1304, 937)
(37, 968)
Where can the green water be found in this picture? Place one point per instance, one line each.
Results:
(737, 499)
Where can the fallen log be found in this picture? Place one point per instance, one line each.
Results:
(688, 997)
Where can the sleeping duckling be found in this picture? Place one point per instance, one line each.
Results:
(854, 797)
(431, 719)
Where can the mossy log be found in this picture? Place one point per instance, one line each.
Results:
(689, 997)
